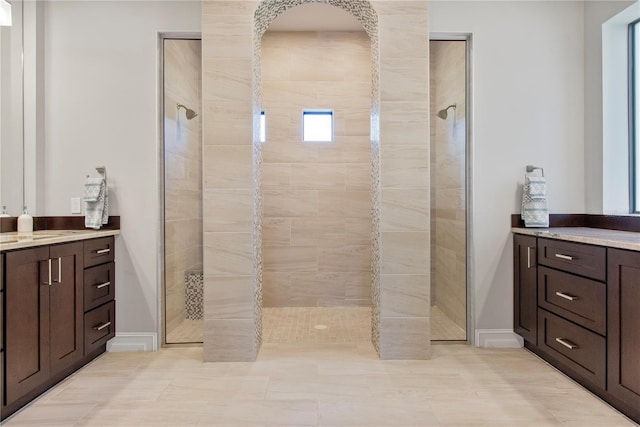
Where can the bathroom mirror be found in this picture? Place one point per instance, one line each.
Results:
(12, 112)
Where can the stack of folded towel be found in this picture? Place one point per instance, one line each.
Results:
(534, 200)
(95, 195)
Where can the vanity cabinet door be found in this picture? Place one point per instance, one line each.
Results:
(623, 336)
(26, 321)
(66, 312)
(525, 295)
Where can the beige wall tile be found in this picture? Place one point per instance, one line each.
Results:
(276, 176)
(290, 258)
(232, 79)
(228, 166)
(405, 210)
(275, 288)
(358, 231)
(229, 297)
(345, 258)
(233, 210)
(358, 176)
(404, 123)
(293, 151)
(405, 252)
(227, 123)
(228, 254)
(276, 231)
(404, 79)
(404, 166)
(229, 340)
(290, 203)
(404, 338)
(404, 36)
(404, 295)
(345, 204)
(320, 232)
(315, 176)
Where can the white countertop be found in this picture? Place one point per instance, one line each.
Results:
(11, 241)
(594, 236)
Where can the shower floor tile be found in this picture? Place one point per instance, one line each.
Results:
(316, 325)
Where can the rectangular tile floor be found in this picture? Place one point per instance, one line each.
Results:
(320, 385)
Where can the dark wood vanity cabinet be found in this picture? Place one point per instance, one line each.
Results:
(44, 315)
(624, 327)
(525, 313)
(588, 320)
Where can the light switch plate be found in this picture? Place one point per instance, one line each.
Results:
(76, 208)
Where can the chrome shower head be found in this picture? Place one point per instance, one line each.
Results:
(188, 111)
(443, 113)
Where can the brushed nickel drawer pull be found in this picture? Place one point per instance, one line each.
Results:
(104, 325)
(59, 271)
(566, 296)
(528, 256)
(102, 285)
(50, 282)
(103, 251)
(567, 257)
(568, 344)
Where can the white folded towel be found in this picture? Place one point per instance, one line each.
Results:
(534, 201)
(96, 198)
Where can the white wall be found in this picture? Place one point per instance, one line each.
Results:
(101, 106)
(528, 108)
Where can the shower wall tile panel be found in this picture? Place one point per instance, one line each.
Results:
(308, 211)
(405, 197)
(402, 26)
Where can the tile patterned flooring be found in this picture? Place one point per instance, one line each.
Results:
(286, 325)
(320, 385)
(316, 325)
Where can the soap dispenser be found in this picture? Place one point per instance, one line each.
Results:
(25, 222)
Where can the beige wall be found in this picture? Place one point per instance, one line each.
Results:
(317, 196)
(448, 280)
(183, 173)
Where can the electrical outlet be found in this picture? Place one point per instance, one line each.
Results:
(76, 208)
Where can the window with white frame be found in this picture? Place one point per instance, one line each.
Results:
(317, 126)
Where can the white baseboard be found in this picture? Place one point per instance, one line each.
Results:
(498, 338)
(133, 341)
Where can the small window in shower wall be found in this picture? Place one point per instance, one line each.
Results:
(263, 128)
(317, 126)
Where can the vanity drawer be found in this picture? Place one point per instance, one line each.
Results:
(99, 326)
(98, 251)
(575, 348)
(99, 285)
(583, 301)
(585, 260)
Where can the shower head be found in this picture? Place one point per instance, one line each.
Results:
(188, 111)
(443, 113)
